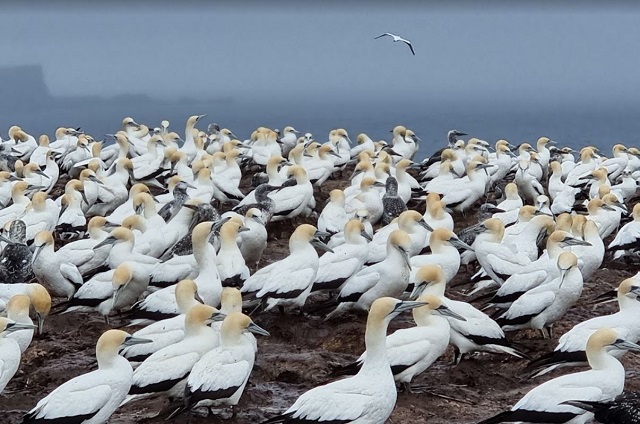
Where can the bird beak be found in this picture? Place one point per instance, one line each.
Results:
(572, 241)
(41, 173)
(626, 345)
(425, 225)
(257, 330)
(315, 241)
(116, 294)
(243, 229)
(197, 297)
(109, 240)
(366, 235)
(37, 253)
(186, 205)
(215, 227)
(609, 208)
(130, 341)
(459, 244)
(189, 185)
(95, 179)
(405, 256)
(417, 290)
(40, 321)
(444, 310)
(407, 305)
(218, 317)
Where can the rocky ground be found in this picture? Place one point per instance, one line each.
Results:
(299, 355)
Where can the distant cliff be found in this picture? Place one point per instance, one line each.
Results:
(23, 86)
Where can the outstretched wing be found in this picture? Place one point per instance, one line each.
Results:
(386, 34)
(408, 43)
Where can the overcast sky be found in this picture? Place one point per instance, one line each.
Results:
(492, 52)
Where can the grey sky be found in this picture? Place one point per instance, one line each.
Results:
(471, 51)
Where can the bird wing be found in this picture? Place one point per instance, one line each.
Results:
(164, 365)
(71, 273)
(339, 267)
(549, 395)
(360, 282)
(78, 397)
(530, 304)
(477, 323)
(408, 346)
(408, 43)
(288, 280)
(386, 34)
(331, 403)
(218, 370)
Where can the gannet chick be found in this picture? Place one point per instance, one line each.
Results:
(229, 260)
(605, 380)
(413, 350)
(90, 398)
(541, 306)
(622, 409)
(333, 217)
(180, 196)
(571, 346)
(219, 377)
(9, 350)
(167, 331)
(60, 278)
(300, 268)
(392, 204)
(389, 277)
(368, 397)
(334, 268)
(477, 333)
(16, 257)
(166, 371)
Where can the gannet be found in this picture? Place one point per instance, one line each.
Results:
(113, 191)
(627, 240)
(412, 350)
(289, 281)
(545, 304)
(167, 331)
(366, 398)
(605, 380)
(435, 214)
(368, 198)
(333, 217)
(162, 304)
(586, 164)
(253, 242)
(389, 277)
(363, 142)
(91, 398)
(219, 377)
(16, 258)
(232, 268)
(477, 333)
(18, 311)
(297, 199)
(82, 254)
(606, 214)
(336, 267)
(180, 196)
(590, 256)
(38, 295)
(460, 194)
(410, 222)
(444, 246)
(570, 350)
(20, 202)
(9, 350)
(189, 146)
(41, 214)
(166, 371)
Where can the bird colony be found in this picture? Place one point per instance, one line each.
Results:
(165, 237)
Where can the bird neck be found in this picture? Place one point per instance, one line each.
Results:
(375, 337)
(600, 359)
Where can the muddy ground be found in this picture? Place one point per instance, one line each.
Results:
(299, 354)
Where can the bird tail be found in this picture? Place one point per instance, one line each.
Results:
(340, 370)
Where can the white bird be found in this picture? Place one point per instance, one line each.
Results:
(167, 331)
(627, 239)
(605, 380)
(412, 350)
(289, 281)
(333, 217)
(38, 295)
(82, 253)
(292, 201)
(52, 270)
(410, 222)
(444, 246)
(9, 350)
(166, 371)
(541, 306)
(477, 333)
(18, 311)
(397, 38)
(219, 377)
(334, 268)
(366, 398)
(254, 241)
(571, 348)
(389, 277)
(90, 398)
(232, 268)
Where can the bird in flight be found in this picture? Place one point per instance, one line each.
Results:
(397, 38)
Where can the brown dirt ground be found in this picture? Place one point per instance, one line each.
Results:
(298, 355)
